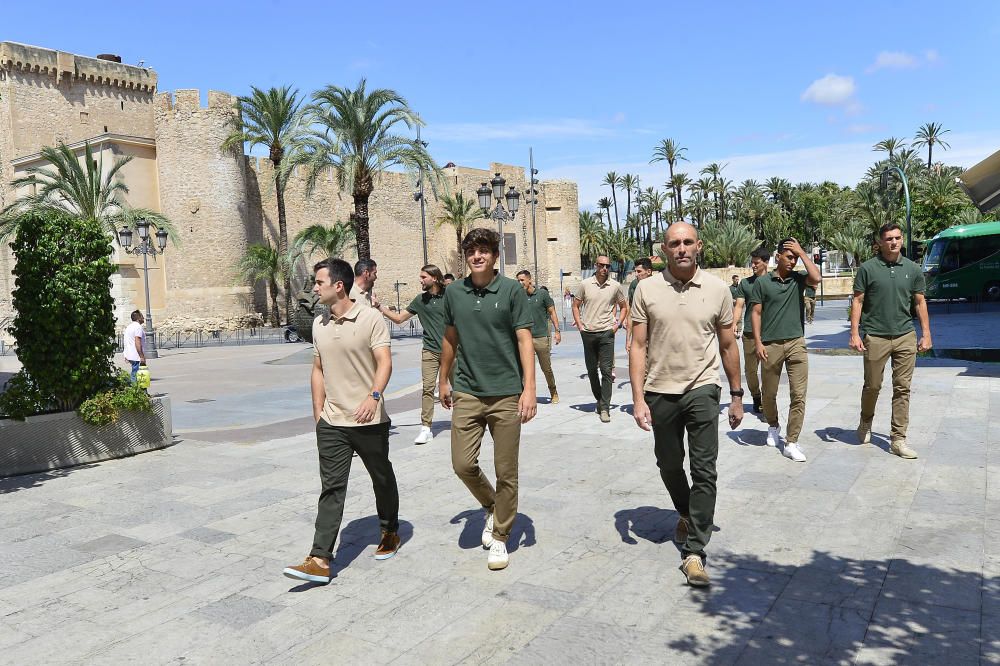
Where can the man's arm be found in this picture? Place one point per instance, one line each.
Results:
(448, 345)
(755, 313)
(142, 352)
(397, 318)
(383, 370)
(637, 375)
(527, 404)
(622, 314)
(856, 342)
(813, 275)
(576, 313)
(555, 323)
(730, 353)
(318, 388)
(925, 322)
(741, 303)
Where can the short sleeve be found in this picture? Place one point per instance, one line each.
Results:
(861, 280)
(757, 293)
(638, 311)
(520, 309)
(449, 317)
(726, 311)
(548, 302)
(415, 305)
(317, 322)
(742, 290)
(379, 334)
(919, 282)
(578, 294)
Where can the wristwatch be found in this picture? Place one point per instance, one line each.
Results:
(737, 394)
(376, 395)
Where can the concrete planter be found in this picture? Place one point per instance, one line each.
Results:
(52, 441)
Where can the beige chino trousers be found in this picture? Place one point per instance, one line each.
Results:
(903, 352)
(789, 354)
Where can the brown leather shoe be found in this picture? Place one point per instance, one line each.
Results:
(388, 546)
(694, 570)
(309, 571)
(681, 531)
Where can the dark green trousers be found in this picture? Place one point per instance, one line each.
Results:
(599, 352)
(696, 411)
(337, 445)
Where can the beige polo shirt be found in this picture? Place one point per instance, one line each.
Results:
(597, 309)
(344, 347)
(359, 295)
(682, 345)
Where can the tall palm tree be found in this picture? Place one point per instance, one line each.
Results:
(928, 135)
(890, 145)
(86, 190)
(723, 189)
(940, 197)
(459, 213)
(678, 182)
(611, 180)
(621, 247)
(627, 183)
(353, 133)
(323, 240)
(263, 261)
(854, 240)
(727, 243)
(591, 235)
(271, 118)
(605, 204)
(714, 171)
(670, 152)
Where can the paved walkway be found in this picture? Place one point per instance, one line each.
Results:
(853, 557)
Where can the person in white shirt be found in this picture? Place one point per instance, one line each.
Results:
(134, 336)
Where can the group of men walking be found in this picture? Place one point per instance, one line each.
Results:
(483, 333)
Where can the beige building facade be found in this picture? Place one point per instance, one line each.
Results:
(220, 202)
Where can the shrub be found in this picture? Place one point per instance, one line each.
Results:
(106, 407)
(22, 397)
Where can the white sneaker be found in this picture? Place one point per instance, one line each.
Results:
(498, 558)
(425, 436)
(793, 452)
(488, 531)
(774, 436)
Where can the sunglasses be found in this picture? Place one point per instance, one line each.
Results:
(604, 265)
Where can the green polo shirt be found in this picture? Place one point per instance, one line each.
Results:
(734, 289)
(539, 302)
(888, 290)
(781, 316)
(430, 309)
(744, 290)
(486, 319)
(631, 291)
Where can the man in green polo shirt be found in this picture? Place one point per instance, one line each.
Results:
(779, 335)
(429, 307)
(810, 300)
(543, 310)
(743, 328)
(488, 331)
(643, 269)
(886, 290)
(734, 287)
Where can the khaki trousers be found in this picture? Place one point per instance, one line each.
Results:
(751, 365)
(471, 417)
(543, 350)
(430, 363)
(902, 350)
(810, 309)
(790, 354)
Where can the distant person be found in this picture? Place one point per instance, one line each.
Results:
(810, 298)
(779, 335)
(448, 279)
(429, 307)
(365, 274)
(734, 288)
(488, 333)
(886, 287)
(643, 270)
(682, 324)
(132, 343)
(742, 326)
(543, 310)
(598, 296)
(352, 364)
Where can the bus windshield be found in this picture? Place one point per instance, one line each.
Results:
(932, 257)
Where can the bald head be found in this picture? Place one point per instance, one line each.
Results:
(680, 229)
(681, 247)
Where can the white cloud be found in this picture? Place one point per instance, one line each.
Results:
(831, 90)
(892, 60)
(572, 128)
(931, 55)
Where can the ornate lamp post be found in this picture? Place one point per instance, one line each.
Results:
(499, 214)
(145, 248)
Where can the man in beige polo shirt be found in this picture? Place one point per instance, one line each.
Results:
(351, 368)
(682, 321)
(598, 296)
(365, 274)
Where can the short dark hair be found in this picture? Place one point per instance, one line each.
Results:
(736, 276)
(888, 226)
(645, 262)
(523, 271)
(449, 276)
(136, 315)
(781, 244)
(339, 271)
(482, 238)
(761, 253)
(544, 287)
(364, 265)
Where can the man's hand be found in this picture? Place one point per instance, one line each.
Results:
(793, 245)
(925, 343)
(738, 331)
(857, 344)
(735, 412)
(761, 351)
(444, 392)
(375, 303)
(366, 410)
(558, 337)
(641, 414)
(527, 405)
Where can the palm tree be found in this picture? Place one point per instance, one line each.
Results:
(727, 243)
(611, 180)
(353, 134)
(605, 204)
(591, 235)
(854, 240)
(459, 213)
(714, 171)
(928, 135)
(621, 247)
(678, 182)
(66, 185)
(273, 119)
(890, 145)
(263, 261)
(941, 199)
(668, 151)
(627, 182)
(327, 241)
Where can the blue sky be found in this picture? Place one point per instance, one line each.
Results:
(794, 89)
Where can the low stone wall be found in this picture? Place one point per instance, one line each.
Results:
(205, 324)
(54, 441)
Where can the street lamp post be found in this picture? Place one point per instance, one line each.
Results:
(145, 248)
(419, 196)
(532, 198)
(884, 182)
(499, 214)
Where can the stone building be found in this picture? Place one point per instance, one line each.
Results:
(220, 202)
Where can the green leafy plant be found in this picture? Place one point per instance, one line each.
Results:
(106, 407)
(22, 398)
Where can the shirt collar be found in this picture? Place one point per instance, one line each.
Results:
(493, 287)
(774, 276)
(696, 280)
(886, 262)
(351, 314)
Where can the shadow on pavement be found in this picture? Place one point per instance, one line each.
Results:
(357, 537)
(748, 437)
(585, 407)
(521, 534)
(646, 522)
(12, 484)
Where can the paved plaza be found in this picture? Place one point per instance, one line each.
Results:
(856, 556)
